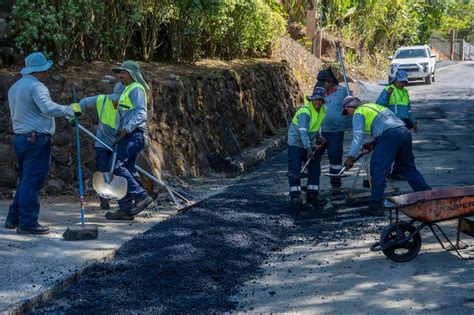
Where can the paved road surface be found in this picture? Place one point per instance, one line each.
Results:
(246, 250)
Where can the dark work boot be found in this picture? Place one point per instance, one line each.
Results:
(119, 215)
(375, 209)
(11, 223)
(296, 201)
(336, 192)
(314, 199)
(104, 204)
(140, 205)
(37, 230)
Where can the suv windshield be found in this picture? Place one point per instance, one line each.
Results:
(410, 53)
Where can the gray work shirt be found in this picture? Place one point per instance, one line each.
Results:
(31, 107)
(335, 121)
(383, 121)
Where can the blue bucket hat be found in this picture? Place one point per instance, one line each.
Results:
(319, 93)
(36, 62)
(401, 76)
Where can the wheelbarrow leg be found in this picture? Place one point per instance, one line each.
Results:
(449, 241)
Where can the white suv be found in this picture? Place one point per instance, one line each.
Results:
(418, 61)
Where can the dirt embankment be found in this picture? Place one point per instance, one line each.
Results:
(200, 117)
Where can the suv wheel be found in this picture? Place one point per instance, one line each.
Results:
(428, 79)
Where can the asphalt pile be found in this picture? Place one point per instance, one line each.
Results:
(194, 262)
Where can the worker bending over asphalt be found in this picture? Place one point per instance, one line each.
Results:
(106, 106)
(302, 138)
(132, 124)
(333, 125)
(32, 112)
(393, 142)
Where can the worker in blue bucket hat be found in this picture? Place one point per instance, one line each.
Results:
(396, 98)
(32, 113)
(305, 142)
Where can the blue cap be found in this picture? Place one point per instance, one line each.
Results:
(401, 76)
(36, 62)
(319, 93)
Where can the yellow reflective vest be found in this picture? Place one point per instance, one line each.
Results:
(316, 119)
(106, 112)
(124, 102)
(369, 111)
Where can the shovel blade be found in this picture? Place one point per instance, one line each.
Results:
(115, 188)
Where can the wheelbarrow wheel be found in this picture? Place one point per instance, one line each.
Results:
(393, 248)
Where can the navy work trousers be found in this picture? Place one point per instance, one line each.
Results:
(394, 145)
(296, 157)
(334, 146)
(127, 152)
(33, 163)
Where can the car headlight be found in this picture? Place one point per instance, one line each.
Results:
(423, 63)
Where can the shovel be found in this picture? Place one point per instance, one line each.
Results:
(341, 172)
(106, 184)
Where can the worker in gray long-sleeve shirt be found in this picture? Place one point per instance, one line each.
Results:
(32, 112)
(106, 106)
(132, 124)
(392, 143)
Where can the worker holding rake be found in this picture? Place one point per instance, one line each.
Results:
(132, 122)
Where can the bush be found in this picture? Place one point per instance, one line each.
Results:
(136, 29)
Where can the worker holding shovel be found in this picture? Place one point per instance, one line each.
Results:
(32, 112)
(132, 119)
(393, 142)
(106, 106)
(303, 134)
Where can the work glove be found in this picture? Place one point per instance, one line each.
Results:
(309, 153)
(349, 162)
(76, 108)
(72, 121)
(320, 141)
(369, 146)
(122, 133)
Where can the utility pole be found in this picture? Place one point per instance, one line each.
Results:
(311, 28)
(451, 42)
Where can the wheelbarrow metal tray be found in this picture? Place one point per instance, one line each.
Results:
(437, 205)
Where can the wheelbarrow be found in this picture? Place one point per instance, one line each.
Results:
(400, 241)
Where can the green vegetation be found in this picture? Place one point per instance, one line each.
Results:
(377, 25)
(177, 30)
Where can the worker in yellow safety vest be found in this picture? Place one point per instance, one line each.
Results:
(305, 142)
(393, 143)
